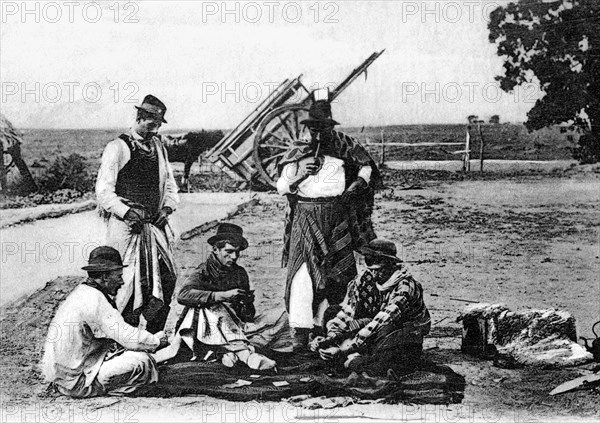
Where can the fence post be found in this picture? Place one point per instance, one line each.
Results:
(480, 147)
(382, 161)
(466, 158)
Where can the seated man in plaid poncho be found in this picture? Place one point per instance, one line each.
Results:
(382, 321)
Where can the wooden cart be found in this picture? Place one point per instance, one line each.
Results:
(254, 148)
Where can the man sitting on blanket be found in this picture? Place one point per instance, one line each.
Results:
(382, 321)
(220, 310)
(90, 350)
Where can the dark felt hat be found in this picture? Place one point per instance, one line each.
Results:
(380, 248)
(104, 259)
(319, 114)
(229, 232)
(153, 106)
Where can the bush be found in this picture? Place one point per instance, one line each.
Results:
(71, 172)
(63, 196)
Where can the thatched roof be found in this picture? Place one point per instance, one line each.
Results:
(8, 134)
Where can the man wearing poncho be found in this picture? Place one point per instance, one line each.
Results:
(136, 193)
(220, 316)
(383, 319)
(329, 181)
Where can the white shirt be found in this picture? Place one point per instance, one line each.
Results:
(330, 181)
(76, 343)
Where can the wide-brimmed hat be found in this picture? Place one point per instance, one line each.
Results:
(380, 248)
(319, 114)
(153, 106)
(104, 259)
(229, 232)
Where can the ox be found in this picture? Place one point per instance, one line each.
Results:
(187, 148)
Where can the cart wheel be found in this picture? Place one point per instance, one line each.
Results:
(277, 132)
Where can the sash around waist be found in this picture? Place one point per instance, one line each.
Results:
(317, 199)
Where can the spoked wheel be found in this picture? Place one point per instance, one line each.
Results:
(277, 132)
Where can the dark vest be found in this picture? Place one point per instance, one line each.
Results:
(139, 180)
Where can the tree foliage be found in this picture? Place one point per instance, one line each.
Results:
(557, 45)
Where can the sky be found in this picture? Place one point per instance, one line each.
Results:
(77, 64)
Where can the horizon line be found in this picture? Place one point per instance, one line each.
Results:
(118, 128)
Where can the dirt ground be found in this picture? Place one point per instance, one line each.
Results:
(527, 241)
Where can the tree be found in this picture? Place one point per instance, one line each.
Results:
(472, 118)
(557, 45)
(495, 119)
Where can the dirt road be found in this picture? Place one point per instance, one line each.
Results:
(34, 253)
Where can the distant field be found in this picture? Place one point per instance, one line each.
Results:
(43, 145)
(505, 141)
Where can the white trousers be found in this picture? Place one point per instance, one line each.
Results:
(121, 374)
(301, 301)
(125, 373)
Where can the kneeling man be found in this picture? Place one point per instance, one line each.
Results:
(90, 350)
(220, 309)
(382, 321)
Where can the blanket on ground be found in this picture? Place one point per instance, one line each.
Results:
(430, 383)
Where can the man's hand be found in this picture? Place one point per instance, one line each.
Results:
(229, 296)
(164, 339)
(315, 344)
(330, 353)
(134, 214)
(354, 189)
(310, 166)
(309, 169)
(136, 217)
(162, 217)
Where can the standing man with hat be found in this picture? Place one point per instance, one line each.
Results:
(90, 350)
(136, 193)
(330, 182)
(220, 311)
(383, 319)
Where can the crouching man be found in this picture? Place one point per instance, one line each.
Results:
(220, 309)
(90, 350)
(382, 320)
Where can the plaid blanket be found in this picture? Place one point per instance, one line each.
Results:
(322, 241)
(429, 383)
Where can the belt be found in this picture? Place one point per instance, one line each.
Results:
(317, 199)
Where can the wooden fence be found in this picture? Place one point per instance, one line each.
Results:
(466, 151)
